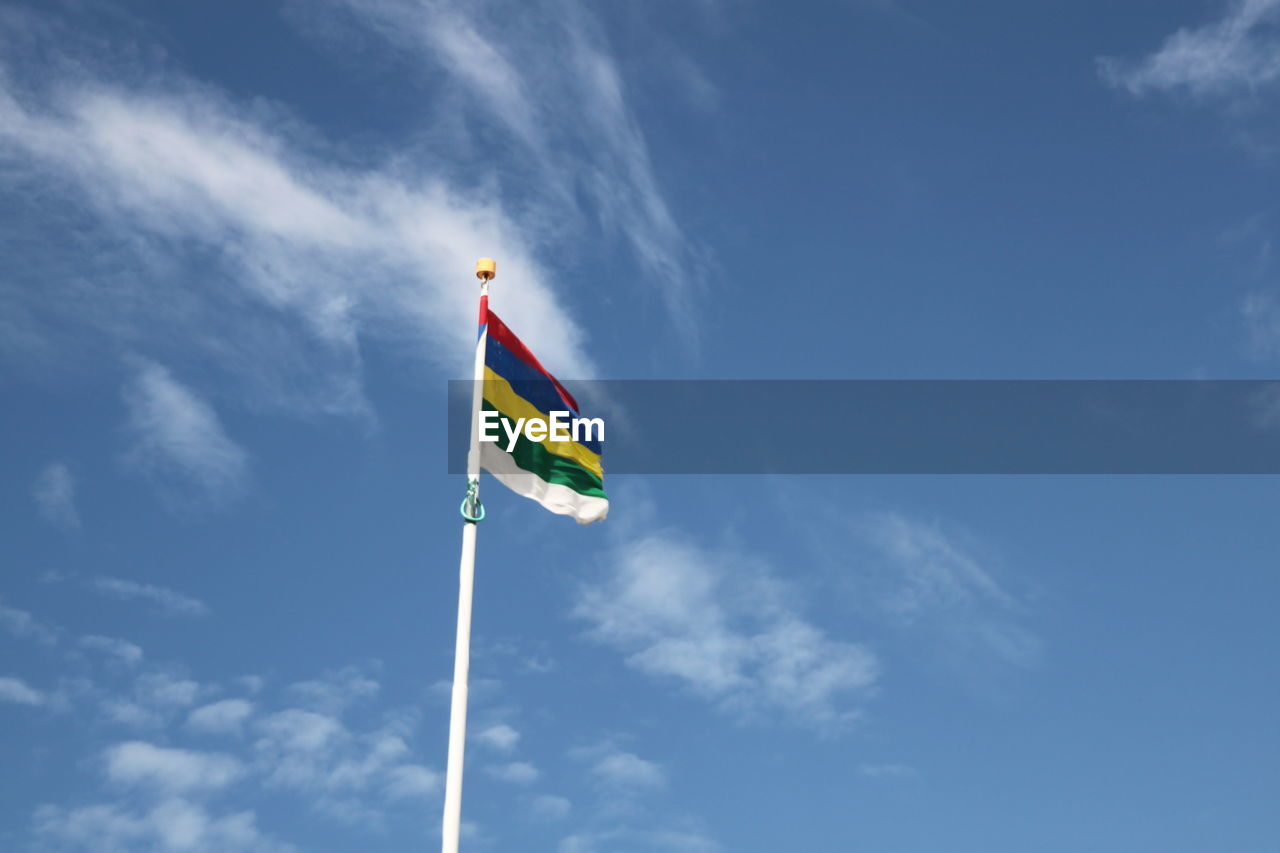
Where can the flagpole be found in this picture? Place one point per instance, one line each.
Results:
(472, 513)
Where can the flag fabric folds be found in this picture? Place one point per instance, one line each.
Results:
(566, 477)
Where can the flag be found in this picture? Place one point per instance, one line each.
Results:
(566, 477)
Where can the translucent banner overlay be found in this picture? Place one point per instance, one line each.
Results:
(921, 426)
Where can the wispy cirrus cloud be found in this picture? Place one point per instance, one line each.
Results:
(178, 438)
(227, 237)
(542, 76)
(1237, 54)
(932, 583)
(55, 495)
(719, 623)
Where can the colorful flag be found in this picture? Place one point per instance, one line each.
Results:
(565, 476)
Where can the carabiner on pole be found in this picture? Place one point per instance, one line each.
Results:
(472, 510)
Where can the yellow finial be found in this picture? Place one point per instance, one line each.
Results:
(486, 268)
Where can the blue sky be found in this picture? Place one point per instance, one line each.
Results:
(239, 239)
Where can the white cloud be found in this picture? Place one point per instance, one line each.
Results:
(155, 699)
(55, 495)
(160, 688)
(169, 602)
(619, 769)
(122, 650)
(294, 736)
(335, 690)
(24, 626)
(550, 807)
(932, 581)
(299, 750)
(1239, 53)
(658, 841)
(515, 772)
(412, 781)
(935, 571)
(346, 775)
(178, 438)
(500, 737)
(624, 786)
(170, 771)
(225, 717)
(627, 769)
(380, 752)
(16, 691)
(160, 790)
(173, 824)
(719, 624)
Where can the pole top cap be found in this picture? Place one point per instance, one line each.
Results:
(486, 268)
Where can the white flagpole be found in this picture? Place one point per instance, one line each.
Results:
(471, 513)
